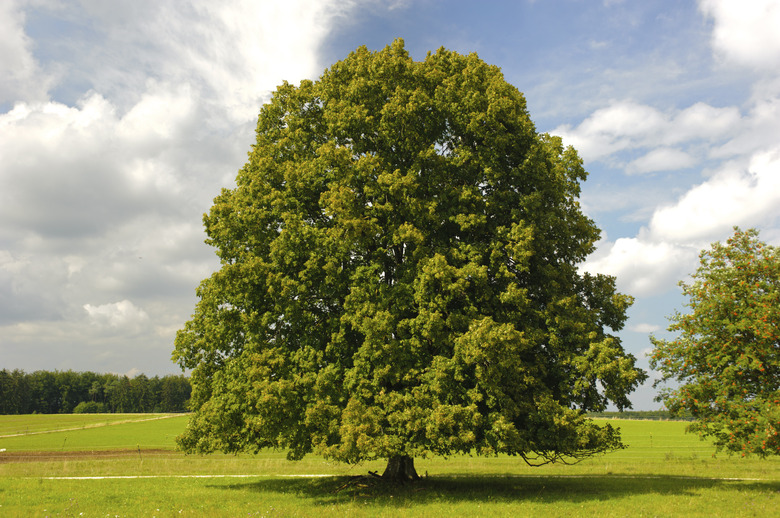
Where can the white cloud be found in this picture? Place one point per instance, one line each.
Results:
(611, 129)
(20, 75)
(122, 315)
(644, 328)
(627, 125)
(701, 122)
(661, 159)
(105, 173)
(172, 86)
(642, 266)
(736, 149)
(746, 32)
(666, 250)
(74, 171)
(232, 53)
(247, 47)
(745, 198)
(758, 130)
(164, 112)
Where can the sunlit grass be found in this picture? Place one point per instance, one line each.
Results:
(147, 431)
(436, 496)
(663, 472)
(38, 423)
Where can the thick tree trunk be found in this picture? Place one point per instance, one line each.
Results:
(400, 469)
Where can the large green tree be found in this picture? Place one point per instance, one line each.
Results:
(725, 362)
(399, 278)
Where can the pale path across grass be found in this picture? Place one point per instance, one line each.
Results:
(50, 421)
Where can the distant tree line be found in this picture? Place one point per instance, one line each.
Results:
(65, 392)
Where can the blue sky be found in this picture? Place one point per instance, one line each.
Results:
(120, 121)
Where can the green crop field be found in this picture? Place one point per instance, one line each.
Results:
(126, 465)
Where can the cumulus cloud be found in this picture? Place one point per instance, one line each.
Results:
(22, 78)
(701, 121)
(628, 125)
(171, 87)
(666, 249)
(232, 53)
(643, 266)
(75, 171)
(661, 159)
(735, 149)
(611, 129)
(107, 165)
(730, 198)
(745, 33)
(758, 131)
(121, 316)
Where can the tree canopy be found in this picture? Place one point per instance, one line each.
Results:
(399, 277)
(726, 359)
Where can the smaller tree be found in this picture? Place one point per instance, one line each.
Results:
(726, 358)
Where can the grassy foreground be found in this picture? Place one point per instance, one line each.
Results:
(663, 472)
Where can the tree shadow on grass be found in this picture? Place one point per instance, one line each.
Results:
(495, 488)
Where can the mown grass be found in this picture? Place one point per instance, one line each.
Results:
(442, 495)
(663, 472)
(42, 423)
(149, 432)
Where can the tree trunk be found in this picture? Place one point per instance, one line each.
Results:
(400, 468)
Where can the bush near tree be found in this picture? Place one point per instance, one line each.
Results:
(726, 358)
(90, 407)
(400, 278)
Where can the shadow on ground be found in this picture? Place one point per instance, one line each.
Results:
(496, 489)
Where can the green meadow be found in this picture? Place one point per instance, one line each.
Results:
(91, 432)
(126, 465)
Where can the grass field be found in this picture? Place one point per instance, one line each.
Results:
(95, 432)
(42, 423)
(81, 466)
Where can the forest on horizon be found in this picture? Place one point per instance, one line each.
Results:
(65, 392)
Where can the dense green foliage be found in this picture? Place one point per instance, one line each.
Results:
(64, 392)
(399, 277)
(726, 358)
